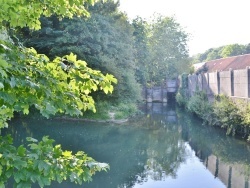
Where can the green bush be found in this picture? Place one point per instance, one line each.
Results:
(199, 105)
(122, 111)
(102, 109)
(228, 114)
(233, 116)
(125, 110)
(182, 96)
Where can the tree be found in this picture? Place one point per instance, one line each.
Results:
(232, 50)
(221, 52)
(168, 47)
(59, 86)
(141, 45)
(22, 13)
(104, 40)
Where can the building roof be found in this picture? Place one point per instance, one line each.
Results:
(234, 63)
(197, 66)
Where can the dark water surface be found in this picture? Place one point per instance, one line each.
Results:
(166, 147)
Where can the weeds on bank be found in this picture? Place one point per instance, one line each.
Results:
(233, 116)
(121, 111)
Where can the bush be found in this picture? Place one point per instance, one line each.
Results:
(125, 110)
(228, 114)
(233, 116)
(182, 96)
(199, 105)
(102, 108)
(122, 111)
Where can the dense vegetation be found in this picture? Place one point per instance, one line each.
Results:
(233, 116)
(137, 53)
(222, 52)
(161, 49)
(33, 76)
(29, 79)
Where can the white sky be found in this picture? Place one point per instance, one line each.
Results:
(211, 23)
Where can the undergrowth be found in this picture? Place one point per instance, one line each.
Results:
(233, 116)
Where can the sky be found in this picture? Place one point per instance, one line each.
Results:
(210, 23)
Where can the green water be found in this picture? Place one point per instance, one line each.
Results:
(166, 147)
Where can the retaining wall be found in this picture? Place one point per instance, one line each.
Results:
(233, 83)
(160, 94)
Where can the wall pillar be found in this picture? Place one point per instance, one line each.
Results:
(248, 82)
(218, 82)
(232, 81)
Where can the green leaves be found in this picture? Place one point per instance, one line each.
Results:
(62, 85)
(41, 163)
(19, 13)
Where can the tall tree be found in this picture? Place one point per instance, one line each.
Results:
(232, 50)
(221, 52)
(168, 47)
(104, 40)
(141, 45)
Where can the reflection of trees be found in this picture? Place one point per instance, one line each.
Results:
(165, 152)
(150, 147)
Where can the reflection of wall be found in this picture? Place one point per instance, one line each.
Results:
(231, 175)
(162, 108)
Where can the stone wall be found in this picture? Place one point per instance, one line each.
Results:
(156, 94)
(160, 94)
(233, 83)
(240, 83)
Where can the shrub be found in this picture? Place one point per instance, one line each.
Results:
(102, 108)
(125, 110)
(182, 96)
(199, 104)
(228, 114)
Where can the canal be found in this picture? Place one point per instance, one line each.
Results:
(165, 147)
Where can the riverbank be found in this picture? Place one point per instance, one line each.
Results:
(110, 120)
(231, 115)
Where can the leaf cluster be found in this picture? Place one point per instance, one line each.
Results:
(25, 13)
(59, 86)
(161, 49)
(41, 162)
(104, 40)
(233, 116)
(222, 52)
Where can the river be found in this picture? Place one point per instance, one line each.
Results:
(166, 147)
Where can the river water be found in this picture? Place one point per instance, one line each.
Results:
(166, 147)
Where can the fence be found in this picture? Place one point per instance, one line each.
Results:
(233, 83)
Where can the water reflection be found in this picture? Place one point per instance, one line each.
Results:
(165, 148)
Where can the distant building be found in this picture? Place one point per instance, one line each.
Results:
(224, 64)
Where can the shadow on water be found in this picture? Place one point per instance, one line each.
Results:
(164, 147)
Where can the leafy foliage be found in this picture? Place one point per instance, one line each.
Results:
(182, 95)
(104, 40)
(222, 52)
(22, 13)
(168, 49)
(29, 79)
(199, 105)
(142, 52)
(41, 163)
(233, 116)
(228, 114)
(59, 86)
